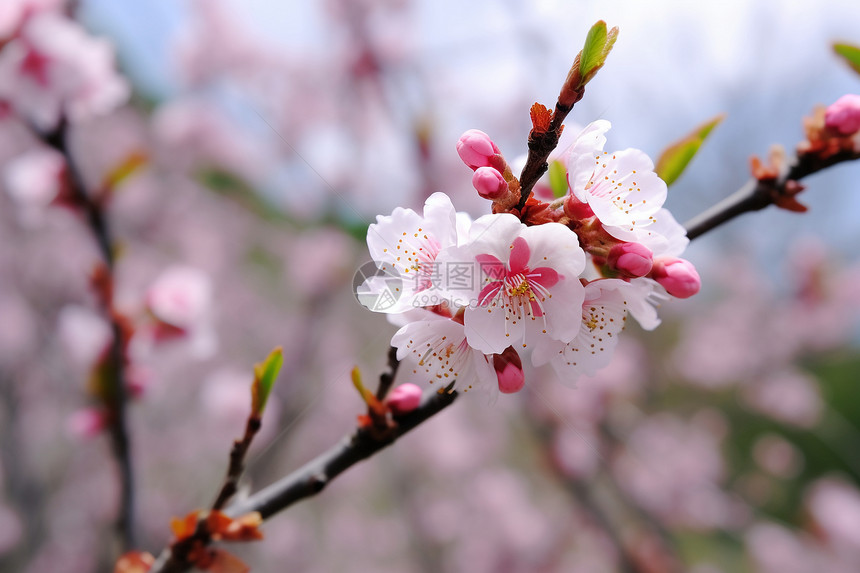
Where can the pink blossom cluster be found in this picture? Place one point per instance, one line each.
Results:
(556, 280)
(50, 68)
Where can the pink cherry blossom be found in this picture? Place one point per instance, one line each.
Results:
(834, 505)
(54, 68)
(527, 288)
(405, 244)
(180, 300)
(14, 12)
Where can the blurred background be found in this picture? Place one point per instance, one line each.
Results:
(264, 137)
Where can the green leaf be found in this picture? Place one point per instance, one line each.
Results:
(265, 374)
(558, 179)
(598, 44)
(675, 158)
(850, 52)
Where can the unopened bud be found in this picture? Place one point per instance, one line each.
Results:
(843, 115)
(489, 183)
(576, 209)
(476, 148)
(631, 260)
(404, 399)
(677, 276)
(509, 371)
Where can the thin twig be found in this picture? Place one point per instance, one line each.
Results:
(117, 395)
(237, 462)
(314, 476)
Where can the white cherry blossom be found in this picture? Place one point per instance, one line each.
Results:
(620, 187)
(406, 244)
(438, 353)
(604, 313)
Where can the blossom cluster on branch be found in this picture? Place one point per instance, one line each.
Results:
(556, 278)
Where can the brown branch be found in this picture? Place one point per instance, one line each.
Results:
(314, 476)
(757, 194)
(117, 396)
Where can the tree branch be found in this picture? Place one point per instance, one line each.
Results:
(117, 395)
(314, 476)
(757, 194)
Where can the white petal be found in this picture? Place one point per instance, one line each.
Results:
(642, 296)
(624, 189)
(665, 236)
(491, 329)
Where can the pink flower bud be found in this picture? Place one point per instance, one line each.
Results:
(476, 148)
(677, 276)
(576, 209)
(404, 399)
(509, 371)
(844, 115)
(632, 260)
(489, 183)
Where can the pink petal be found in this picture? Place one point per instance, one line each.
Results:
(520, 253)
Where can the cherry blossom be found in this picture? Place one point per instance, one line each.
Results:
(525, 285)
(53, 68)
(439, 352)
(406, 245)
(180, 300)
(621, 188)
(604, 313)
(33, 181)
(14, 12)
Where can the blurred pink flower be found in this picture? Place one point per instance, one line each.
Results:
(180, 300)
(844, 114)
(777, 456)
(13, 13)
(834, 506)
(86, 423)
(33, 180)
(673, 469)
(775, 549)
(789, 396)
(54, 69)
(83, 333)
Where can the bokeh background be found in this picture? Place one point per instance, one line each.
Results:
(726, 441)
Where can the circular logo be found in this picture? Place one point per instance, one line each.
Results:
(377, 287)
